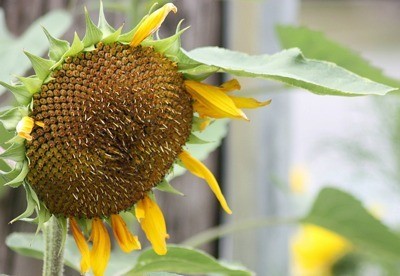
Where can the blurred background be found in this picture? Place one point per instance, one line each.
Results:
(274, 165)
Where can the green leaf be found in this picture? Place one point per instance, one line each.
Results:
(33, 39)
(15, 152)
(32, 84)
(31, 205)
(57, 46)
(290, 67)
(40, 65)
(93, 33)
(340, 212)
(20, 92)
(17, 176)
(32, 245)
(10, 117)
(112, 37)
(103, 25)
(193, 139)
(5, 136)
(76, 47)
(165, 186)
(316, 45)
(183, 260)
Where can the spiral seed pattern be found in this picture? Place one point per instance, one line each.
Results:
(115, 120)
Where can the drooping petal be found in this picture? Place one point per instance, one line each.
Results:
(200, 170)
(231, 85)
(215, 99)
(243, 102)
(126, 241)
(100, 253)
(152, 23)
(82, 246)
(24, 127)
(151, 219)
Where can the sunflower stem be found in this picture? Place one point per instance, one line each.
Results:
(53, 261)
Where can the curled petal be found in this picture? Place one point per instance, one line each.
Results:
(100, 253)
(242, 102)
(215, 99)
(152, 23)
(231, 85)
(151, 219)
(127, 242)
(82, 246)
(200, 170)
(24, 127)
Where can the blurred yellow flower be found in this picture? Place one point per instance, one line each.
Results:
(298, 179)
(315, 250)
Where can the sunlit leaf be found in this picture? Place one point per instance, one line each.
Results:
(183, 260)
(289, 67)
(316, 45)
(342, 213)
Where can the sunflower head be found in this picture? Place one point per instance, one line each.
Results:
(102, 122)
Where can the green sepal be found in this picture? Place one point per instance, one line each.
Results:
(93, 33)
(193, 139)
(169, 46)
(16, 140)
(32, 83)
(15, 152)
(103, 25)
(111, 38)
(20, 92)
(31, 205)
(19, 173)
(43, 215)
(10, 118)
(127, 37)
(57, 46)
(165, 186)
(76, 47)
(40, 65)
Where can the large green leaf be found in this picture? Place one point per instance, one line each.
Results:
(183, 260)
(342, 213)
(290, 67)
(316, 45)
(11, 58)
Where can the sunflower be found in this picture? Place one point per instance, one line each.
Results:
(102, 123)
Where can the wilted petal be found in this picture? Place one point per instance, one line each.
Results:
(215, 99)
(82, 246)
(100, 253)
(152, 23)
(24, 127)
(152, 222)
(231, 85)
(243, 102)
(127, 242)
(200, 170)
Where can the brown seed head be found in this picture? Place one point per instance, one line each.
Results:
(115, 119)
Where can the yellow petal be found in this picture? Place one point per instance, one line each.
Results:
(152, 23)
(82, 246)
(316, 249)
(215, 99)
(24, 127)
(242, 102)
(200, 170)
(231, 85)
(127, 242)
(100, 253)
(153, 224)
